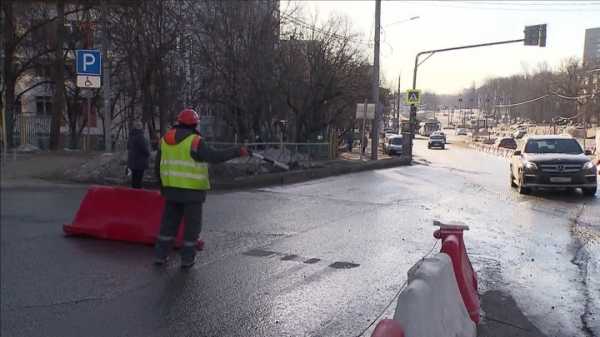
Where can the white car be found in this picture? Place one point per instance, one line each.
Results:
(461, 132)
(394, 145)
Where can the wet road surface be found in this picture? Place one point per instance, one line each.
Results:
(321, 258)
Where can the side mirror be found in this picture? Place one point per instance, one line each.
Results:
(517, 153)
(588, 152)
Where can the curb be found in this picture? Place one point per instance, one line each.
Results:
(291, 177)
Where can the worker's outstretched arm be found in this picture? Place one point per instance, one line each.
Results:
(201, 151)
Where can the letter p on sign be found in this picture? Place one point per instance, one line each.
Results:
(89, 62)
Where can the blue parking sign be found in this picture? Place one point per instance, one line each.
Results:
(89, 62)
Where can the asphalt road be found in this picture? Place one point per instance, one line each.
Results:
(322, 258)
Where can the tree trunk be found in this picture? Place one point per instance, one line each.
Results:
(9, 71)
(73, 139)
(59, 78)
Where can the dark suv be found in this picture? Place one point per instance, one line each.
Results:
(437, 140)
(552, 162)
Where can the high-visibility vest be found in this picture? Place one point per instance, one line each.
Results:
(179, 169)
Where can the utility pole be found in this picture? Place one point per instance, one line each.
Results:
(106, 93)
(375, 128)
(398, 107)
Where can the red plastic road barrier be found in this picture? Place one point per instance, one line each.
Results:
(122, 214)
(388, 328)
(454, 246)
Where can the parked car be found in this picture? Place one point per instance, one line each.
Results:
(386, 138)
(461, 132)
(436, 141)
(506, 143)
(552, 162)
(394, 145)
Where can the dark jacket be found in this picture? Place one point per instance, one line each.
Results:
(138, 150)
(202, 153)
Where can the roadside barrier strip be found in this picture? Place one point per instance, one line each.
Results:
(440, 297)
(500, 152)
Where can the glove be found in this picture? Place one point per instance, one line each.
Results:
(244, 152)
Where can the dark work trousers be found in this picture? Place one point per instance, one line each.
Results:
(136, 178)
(173, 213)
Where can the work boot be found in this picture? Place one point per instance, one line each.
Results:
(187, 262)
(161, 251)
(188, 254)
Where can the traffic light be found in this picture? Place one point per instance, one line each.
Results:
(535, 35)
(532, 35)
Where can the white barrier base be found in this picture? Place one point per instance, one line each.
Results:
(431, 305)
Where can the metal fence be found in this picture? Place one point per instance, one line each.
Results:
(32, 130)
(286, 152)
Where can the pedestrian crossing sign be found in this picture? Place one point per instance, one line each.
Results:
(413, 96)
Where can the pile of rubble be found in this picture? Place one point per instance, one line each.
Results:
(106, 168)
(111, 168)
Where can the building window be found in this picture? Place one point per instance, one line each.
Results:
(43, 105)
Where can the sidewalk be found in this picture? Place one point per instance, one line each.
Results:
(41, 166)
(47, 167)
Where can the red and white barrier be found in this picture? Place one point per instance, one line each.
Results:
(440, 298)
(388, 328)
(431, 304)
(454, 246)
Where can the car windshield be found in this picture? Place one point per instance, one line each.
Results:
(436, 137)
(570, 146)
(396, 141)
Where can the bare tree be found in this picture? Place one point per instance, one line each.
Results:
(323, 75)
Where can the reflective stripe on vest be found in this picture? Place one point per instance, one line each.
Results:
(179, 169)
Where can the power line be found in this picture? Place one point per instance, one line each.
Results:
(477, 6)
(533, 4)
(572, 98)
(314, 28)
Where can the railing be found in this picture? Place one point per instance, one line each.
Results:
(285, 152)
(33, 130)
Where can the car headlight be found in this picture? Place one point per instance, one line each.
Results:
(589, 166)
(530, 166)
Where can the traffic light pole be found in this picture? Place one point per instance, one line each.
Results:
(413, 107)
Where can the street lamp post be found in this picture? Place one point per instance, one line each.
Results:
(460, 111)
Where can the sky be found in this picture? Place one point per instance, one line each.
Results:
(444, 24)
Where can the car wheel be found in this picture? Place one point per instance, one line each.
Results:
(590, 192)
(443, 147)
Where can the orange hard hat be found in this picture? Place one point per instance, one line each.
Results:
(188, 117)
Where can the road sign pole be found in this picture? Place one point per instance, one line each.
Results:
(106, 90)
(377, 119)
(4, 137)
(89, 110)
(362, 134)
